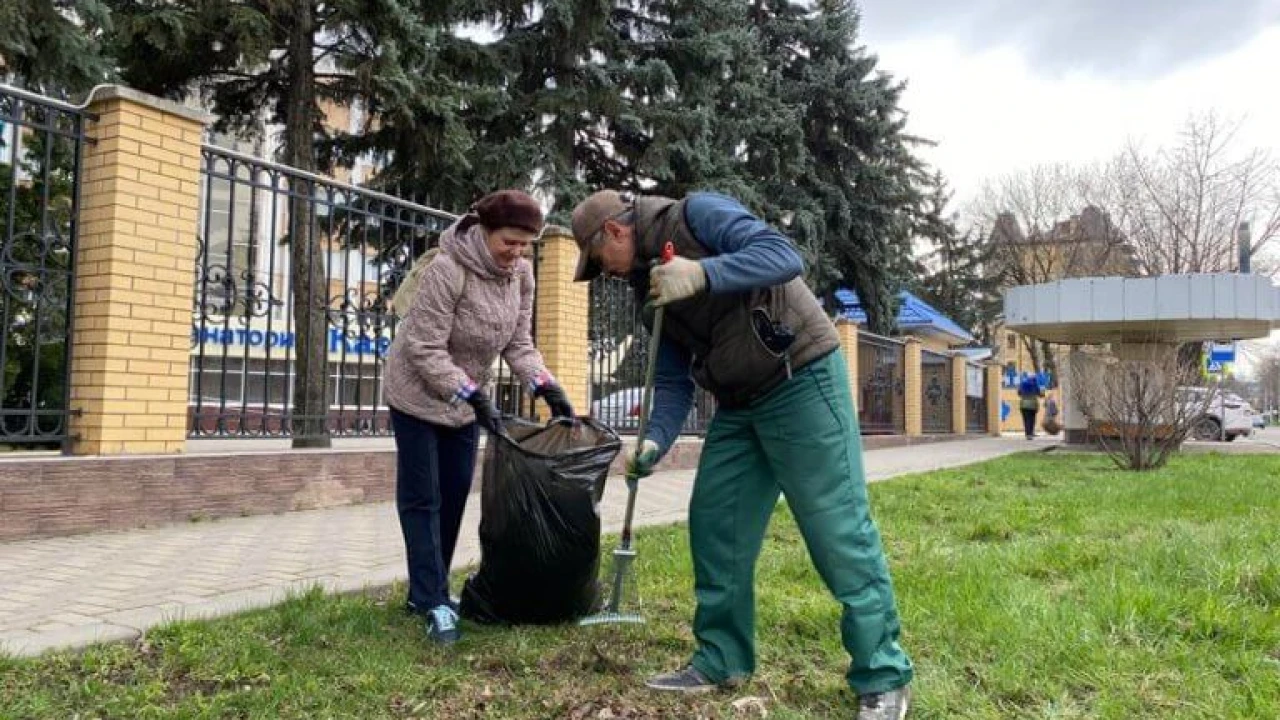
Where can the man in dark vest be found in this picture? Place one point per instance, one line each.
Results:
(741, 323)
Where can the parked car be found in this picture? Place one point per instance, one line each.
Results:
(1226, 417)
(1245, 408)
(620, 410)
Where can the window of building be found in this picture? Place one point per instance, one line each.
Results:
(356, 385)
(268, 383)
(236, 382)
(216, 381)
(230, 222)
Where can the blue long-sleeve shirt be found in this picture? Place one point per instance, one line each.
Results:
(744, 253)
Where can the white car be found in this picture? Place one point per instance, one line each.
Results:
(1227, 416)
(619, 410)
(1250, 416)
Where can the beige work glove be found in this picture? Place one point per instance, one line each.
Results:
(675, 280)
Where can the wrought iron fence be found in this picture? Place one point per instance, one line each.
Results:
(881, 396)
(250, 344)
(41, 140)
(975, 404)
(935, 392)
(618, 344)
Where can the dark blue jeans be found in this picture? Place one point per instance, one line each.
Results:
(1029, 421)
(434, 465)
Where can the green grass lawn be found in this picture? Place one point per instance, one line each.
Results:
(1031, 587)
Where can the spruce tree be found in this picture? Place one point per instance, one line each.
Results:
(862, 180)
(769, 101)
(955, 274)
(773, 103)
(540, 92)
(709, 116)
(54, 46)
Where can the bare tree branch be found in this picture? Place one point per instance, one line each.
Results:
(1140, 408)
(1046, 224)
(1181, 208)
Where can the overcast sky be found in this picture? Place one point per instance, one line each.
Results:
(1002, 84)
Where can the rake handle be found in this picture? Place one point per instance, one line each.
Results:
(646, 403)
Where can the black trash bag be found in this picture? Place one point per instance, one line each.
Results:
(540, 523)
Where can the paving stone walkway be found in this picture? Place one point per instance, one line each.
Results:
(73, 591)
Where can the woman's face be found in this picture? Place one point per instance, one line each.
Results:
(507, 245)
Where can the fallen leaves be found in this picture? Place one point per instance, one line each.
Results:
(751, 706)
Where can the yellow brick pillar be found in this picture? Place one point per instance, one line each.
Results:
(959, 394)
(911, 387)
(848, 332)
(561, 323)
(993, 372)
(135, 273)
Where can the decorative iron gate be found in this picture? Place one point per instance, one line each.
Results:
(245, 351)
(41, 140)
(881, 400)
(618, 344)
(935, 392)
(975, 403)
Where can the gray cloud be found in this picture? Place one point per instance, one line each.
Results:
(1134, 38)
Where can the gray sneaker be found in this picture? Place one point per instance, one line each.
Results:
(891, 705)
(684, 680)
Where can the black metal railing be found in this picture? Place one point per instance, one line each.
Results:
(881, 385)
(294, 272)
(41, 140)
(618, 345)
(975, 403)
(935, 392)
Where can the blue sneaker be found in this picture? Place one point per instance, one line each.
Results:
(442, 625)
(412, 609)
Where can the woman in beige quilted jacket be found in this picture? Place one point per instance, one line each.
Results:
(474, 301)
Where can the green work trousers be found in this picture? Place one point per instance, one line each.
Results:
(802, 440)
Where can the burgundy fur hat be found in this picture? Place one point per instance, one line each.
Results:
(509, 208)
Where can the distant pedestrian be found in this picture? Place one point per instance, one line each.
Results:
(1051, 423)
(1029, 394)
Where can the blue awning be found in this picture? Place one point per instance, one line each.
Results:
(913, 314)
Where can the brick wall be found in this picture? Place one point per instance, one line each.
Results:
(959, 414)
(134, 276)
(993, 398)
(934, 344)
(44, 497)
(911, 384)
(848, 333)
(561, 330)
